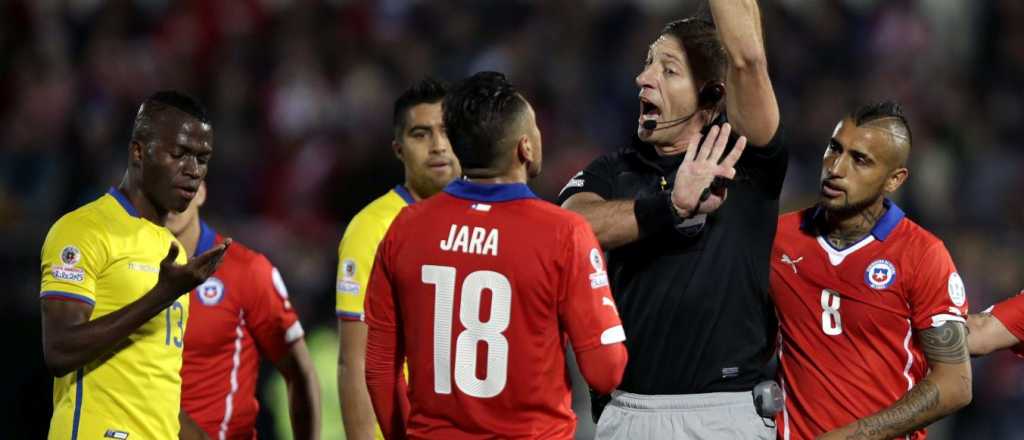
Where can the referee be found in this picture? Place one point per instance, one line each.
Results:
(689, 260)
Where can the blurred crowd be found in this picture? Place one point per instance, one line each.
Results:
(300, 93)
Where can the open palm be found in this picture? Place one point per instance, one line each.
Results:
(701, 166)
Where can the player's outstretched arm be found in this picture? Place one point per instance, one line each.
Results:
(749, 97)
(987, 334)
(71, 340)
(303, 391)
(356, 409)
(190, 430)
(944, 390)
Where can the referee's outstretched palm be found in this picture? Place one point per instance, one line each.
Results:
(701, 166)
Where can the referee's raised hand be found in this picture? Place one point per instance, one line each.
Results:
(699, 169)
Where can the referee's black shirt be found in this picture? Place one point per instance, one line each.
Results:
(696, 311)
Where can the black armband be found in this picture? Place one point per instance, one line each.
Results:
(654, 213)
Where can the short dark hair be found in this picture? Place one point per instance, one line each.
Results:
(704, 51)
(163, 100)
(882, 110)
(478, 113)
(426, 91)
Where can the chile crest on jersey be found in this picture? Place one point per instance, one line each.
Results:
(880, 274)
(211, 292)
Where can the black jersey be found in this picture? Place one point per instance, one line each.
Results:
(696, 310)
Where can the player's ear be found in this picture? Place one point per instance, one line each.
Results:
(896, 179)
(135, 152)
(397, 149)
(525, 149)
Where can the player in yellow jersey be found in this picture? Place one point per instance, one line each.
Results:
(112, 284)
(422, 145)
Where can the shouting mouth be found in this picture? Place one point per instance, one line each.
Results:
(648, 111)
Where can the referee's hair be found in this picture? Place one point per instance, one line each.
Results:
(479, 114)
(157, 103)
(426, 91)
(704, 51)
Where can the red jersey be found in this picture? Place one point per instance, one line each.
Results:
(847, 318)
(480, 287)
(235, 316)
(1010, 312)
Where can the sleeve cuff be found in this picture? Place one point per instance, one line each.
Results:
(66, 296)
(349, 316)
(942, 318)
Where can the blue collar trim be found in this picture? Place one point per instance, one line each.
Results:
(883, 228)
(404, 194)
(207, 238)
(123, 200)
(888, 222)
(493, 192)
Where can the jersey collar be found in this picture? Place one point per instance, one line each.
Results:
(404, 194)
(882, 229)
(123, 201)
(207, 238)
(489, 192)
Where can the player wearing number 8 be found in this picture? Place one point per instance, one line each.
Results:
(481, 286)
(112, 307)
(871, 308)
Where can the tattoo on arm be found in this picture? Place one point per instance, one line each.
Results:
(946, 343)
(906, 415)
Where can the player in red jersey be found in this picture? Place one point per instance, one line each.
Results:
(871, 308)
(480, 287)
(1000, 326)
(238, 315)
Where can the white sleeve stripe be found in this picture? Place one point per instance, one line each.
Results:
(294, 333)
(613, 335)
(943, 318)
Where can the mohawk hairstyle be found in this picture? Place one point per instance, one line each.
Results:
(426, 91)
(882, 110)
(478, 113)
(160, 101)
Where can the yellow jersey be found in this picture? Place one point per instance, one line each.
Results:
(359, 247)
(105, 255)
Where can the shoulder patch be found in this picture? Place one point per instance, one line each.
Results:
(348, 269)
(598, 278)
(957, 292)
(70, 255)
(575, 182)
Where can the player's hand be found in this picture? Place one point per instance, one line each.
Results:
(176, 279)
(701, 166)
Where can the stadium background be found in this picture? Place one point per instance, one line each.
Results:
(301, 93)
